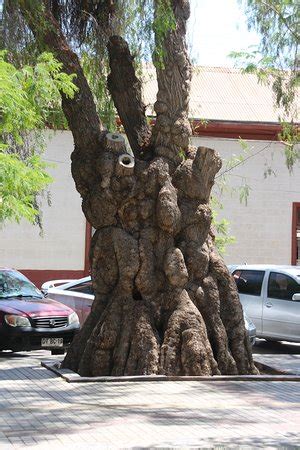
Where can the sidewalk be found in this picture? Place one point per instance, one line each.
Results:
(38, 410)
(288, 364)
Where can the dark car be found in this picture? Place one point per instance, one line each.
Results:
(28, 320)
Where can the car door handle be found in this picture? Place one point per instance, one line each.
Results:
(269, 305)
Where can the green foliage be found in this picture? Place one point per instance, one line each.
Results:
(145, 25)
(96, 78)
(277, 21)
(164, 22)
(276, 61)
(269, 70)
(244, 191)
(136, 26)
(290, 135)
(88, 29)
(182, 154)
(223, 238)
(28, 97)
(20, 182)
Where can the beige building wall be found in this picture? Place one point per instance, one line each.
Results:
(262, 228)
(62, 245)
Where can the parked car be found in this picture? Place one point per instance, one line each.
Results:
(79, 295)
(28, 320)
(54, 283)
(270, 296)
(250, 328)
(76, 294)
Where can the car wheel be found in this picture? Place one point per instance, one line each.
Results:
(58, 351)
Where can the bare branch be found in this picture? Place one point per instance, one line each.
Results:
(125, 89)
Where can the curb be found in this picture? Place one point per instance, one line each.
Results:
(73, 377)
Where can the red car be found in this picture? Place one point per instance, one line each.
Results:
(29, 321)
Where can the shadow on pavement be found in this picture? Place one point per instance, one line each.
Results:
(276, 347)
(290, 442)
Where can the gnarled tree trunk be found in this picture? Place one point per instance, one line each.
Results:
(165, 302)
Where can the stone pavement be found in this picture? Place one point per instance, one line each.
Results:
(288, 364)
(39, 409)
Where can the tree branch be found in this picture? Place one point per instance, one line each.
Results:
(80, 111)
(125, 89)
(172, 129)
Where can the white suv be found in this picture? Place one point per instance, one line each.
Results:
(270, 296)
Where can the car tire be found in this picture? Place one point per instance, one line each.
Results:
(58, 351)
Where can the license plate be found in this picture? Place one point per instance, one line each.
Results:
(52, 342)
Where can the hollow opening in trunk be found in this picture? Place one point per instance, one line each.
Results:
(126, 160)
(136, 295)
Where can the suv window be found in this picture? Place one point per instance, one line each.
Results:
(249, 281)
(282, 286)
(85, 288)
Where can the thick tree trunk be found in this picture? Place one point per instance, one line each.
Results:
(165, 302)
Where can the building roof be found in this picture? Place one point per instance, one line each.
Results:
(221, 94)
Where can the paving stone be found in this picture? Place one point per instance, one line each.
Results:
(39, 409)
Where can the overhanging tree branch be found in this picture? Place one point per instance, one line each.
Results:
(125, 89)
(80, 111)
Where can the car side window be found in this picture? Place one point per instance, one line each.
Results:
(249, 281)
(84, 288)
(282, 286)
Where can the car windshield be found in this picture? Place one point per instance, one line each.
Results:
(14, 284)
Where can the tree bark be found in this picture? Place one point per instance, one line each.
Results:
(126, 91)
(172, 128)
(165, 302)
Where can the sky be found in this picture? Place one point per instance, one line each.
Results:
(217, 27)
